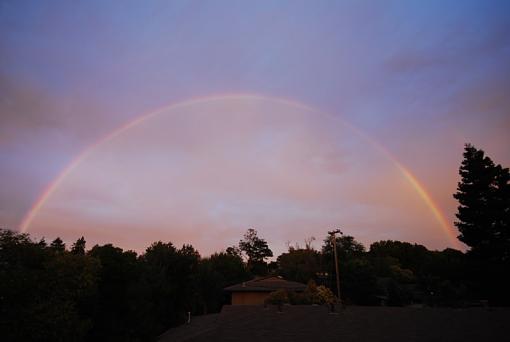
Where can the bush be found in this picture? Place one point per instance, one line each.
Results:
(278, 297)
(325, 295)
(313, 294)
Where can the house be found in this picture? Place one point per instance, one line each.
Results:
(256, 291)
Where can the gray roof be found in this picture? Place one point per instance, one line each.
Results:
(298, 323)
(266, 284)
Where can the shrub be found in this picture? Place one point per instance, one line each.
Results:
(278, 297)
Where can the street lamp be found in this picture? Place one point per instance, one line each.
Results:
(333, 244)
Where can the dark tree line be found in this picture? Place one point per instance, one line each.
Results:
(389, 273)
(52, 293)
(400, 273)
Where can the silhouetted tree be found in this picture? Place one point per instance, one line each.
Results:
(58, 245)
(111, 308)
(347, 247)
(79, 246)
(234, 250)
(230, 266)
(357, 278)
(484, 211)
(257, 250)
(484, 221)
(409, 256)
(215, 273)
(41, 291)
(299, 264)
(171, 275)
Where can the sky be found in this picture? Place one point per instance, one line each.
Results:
(290, 117)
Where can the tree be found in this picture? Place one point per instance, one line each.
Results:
(42, 291)
(299, 265)
(111, 308)
(357, 279)
(79, 246)
(234, 250)
(484, 206)
(483, 222)
(256, 250)
(171, 275)
(347, 247)
(409, 256)
(214, 274)
(231, 267)
(58, 245)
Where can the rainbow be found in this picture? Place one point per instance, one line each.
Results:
(433, 206)
(408, 175)
(420, 189)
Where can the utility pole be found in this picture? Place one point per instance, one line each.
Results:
(333, 244)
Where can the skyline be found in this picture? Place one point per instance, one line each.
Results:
(420, 80)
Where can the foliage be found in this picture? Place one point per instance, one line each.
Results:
(278, 297)
(51, 294)
(257, 250)
(314, 294)
(215, 273)
(410, 256)
(42, 290)
(111, 307)
(397, 293)
(484, 211)
(79, 246)
(58, 245)
(347, 247)
(358, 281)
(299, 264)
(484, 222)
(325, 295)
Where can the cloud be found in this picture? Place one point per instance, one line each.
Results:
(23, 109)
(39, 134)
(452, 48)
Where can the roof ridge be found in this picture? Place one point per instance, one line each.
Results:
(267, 277)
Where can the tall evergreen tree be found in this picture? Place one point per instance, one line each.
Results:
(58, 245)
(79, 246)
(483, 214)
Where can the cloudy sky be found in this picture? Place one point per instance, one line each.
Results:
(294, 117)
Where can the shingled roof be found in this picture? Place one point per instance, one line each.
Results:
(298, 323)
(267, 284)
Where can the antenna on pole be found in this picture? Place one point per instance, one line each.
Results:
(333, 244)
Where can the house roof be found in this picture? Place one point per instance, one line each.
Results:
(356, 323)
(266, 284)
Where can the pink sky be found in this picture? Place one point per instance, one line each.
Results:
(204, 172)
(419, 78)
